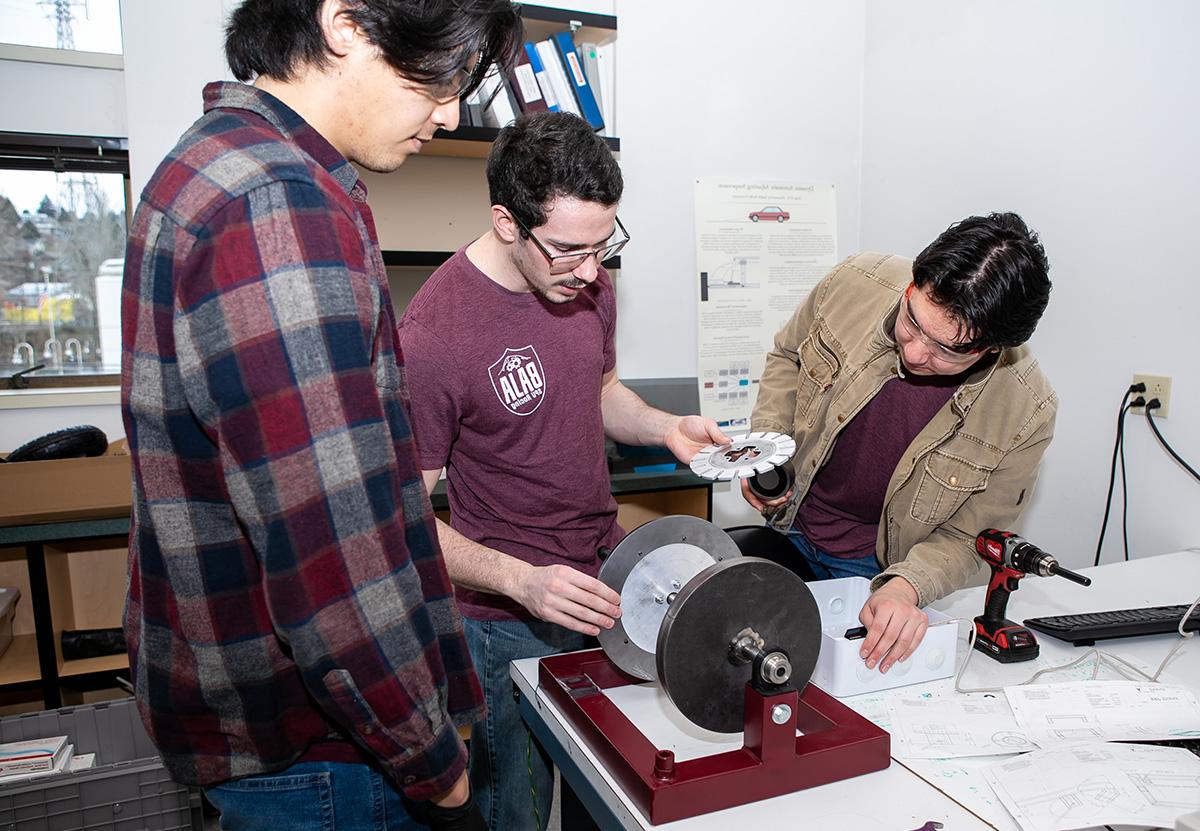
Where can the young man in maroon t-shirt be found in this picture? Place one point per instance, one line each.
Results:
(510, 356)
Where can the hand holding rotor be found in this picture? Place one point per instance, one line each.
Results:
(763, 505)
(690, 434)
(560, 594)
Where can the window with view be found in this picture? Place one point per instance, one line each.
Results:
(62, 239)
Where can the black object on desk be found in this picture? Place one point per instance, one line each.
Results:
(1086, 628)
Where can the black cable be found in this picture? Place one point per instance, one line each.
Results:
(1112, 473)
(1124, 478)
(1150, 408)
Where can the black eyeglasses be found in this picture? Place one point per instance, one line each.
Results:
(562, 263)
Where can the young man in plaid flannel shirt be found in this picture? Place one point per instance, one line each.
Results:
(291, 626)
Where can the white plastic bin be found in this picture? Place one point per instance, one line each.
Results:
(841, 672)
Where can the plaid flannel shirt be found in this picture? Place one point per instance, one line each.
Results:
(285, 581)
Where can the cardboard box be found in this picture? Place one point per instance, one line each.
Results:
(65, 761)
(841, 672)
(62, 490)
(33, 755)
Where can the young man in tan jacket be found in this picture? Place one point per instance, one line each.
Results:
(920, 418)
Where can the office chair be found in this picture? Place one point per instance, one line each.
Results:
(769, 544)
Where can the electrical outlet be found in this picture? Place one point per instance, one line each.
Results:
(1157, 386)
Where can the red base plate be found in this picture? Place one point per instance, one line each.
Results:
(837, 743)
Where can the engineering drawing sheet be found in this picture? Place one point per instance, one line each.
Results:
(1052, 714)
(1097, 783)
(950, 726)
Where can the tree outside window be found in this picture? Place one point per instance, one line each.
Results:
(62, 237)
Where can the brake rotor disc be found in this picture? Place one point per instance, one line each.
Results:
(747, 455)
(692, 655)
(648, 568)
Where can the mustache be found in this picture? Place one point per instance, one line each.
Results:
(573, 283)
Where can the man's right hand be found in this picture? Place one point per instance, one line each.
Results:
(757, 504)
(560, 594)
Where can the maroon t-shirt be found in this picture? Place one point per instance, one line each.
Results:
(505, 391)
(840, 513)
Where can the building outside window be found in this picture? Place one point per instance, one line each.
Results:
(62, 239)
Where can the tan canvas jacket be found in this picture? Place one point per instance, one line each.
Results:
(971, 468)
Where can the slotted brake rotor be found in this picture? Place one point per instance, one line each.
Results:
(648, 568)
(693, 649)
(747, 455)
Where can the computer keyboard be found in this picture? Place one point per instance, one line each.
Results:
(1087, 628)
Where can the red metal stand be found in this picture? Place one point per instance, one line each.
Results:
(837, 743)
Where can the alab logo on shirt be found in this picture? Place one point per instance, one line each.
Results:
(518, 380)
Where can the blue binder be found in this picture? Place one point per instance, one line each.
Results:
(539, 72)
(578, 80)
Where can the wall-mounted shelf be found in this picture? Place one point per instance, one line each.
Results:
(567, 16)
(475, 142)
(433, 259)
(541, 21)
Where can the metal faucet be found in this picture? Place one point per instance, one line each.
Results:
(53, 351)
(74, 355)
(28, 348)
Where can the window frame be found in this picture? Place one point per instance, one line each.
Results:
(65, 153)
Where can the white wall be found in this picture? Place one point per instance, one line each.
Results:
(710, 89)
(1083, 117)
(51, 98)
(171, 51)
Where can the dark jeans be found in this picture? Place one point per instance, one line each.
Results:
(313, 796)
(826, 566)
(512, 777)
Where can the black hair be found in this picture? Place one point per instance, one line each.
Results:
(546, 155)
(427, 41)
(991, 273)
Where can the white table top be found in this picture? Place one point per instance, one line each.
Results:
(897, 798)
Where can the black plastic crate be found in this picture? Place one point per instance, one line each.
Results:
(127, 789)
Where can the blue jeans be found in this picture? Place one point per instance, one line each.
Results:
(511, 775)
(826, 566)
(313, 796)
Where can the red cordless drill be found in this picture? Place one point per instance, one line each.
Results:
(1011, 558)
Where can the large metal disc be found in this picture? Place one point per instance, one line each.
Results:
(647, 568)
(709, 612)
(745, 456)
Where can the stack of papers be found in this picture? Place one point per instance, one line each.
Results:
(1098, 783)
(1070, 774)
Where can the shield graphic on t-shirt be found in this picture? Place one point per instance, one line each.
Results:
(518, 380)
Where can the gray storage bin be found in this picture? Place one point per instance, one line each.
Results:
(128, 789)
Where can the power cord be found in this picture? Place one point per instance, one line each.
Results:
(1119, 453)
(1151, 406)
(1115, 662)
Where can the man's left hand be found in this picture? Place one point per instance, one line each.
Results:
(692, 433)
(895, 626)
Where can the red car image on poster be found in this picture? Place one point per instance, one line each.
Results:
(770, 212)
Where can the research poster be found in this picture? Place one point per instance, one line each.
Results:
(761, 246)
